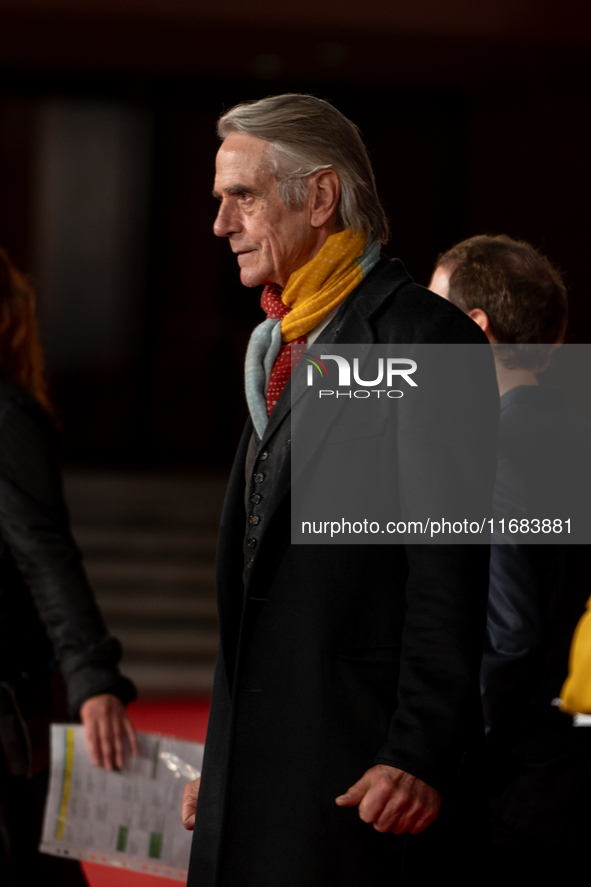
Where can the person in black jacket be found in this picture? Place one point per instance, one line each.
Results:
(540, 782)
(345, 701)
(57, 660)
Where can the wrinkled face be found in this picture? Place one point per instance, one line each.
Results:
(440, 281)
(270, 240)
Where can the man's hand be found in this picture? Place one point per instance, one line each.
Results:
(190, 795)
(393, 800)
(106, 724)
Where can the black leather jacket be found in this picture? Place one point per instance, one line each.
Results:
(47, 609)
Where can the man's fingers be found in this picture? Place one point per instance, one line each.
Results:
(377, 799)
(189, 807)
(404, 815)
(425, 819)
(406, 819)
(393, 800)
(394, 810)
(354, 795)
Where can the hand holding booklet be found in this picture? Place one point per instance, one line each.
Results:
(129, 818)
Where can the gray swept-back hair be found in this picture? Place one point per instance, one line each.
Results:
(307, 134)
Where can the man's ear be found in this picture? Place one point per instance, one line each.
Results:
(325, 190)
(481, 318)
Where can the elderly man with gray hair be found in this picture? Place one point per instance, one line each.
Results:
(345, 711)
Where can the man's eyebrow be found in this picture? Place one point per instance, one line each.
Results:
(234, 189)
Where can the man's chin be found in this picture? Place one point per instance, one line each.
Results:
(249, 277)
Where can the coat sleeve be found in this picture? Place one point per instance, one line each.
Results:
(447, 450)
(34, 524)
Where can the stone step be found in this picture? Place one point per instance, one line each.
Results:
(169, 679)
(114, 605)
(162, 573)
(150, 501)
(99, 541)
(160, 641)
(149, 544)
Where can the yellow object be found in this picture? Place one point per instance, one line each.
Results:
(322, 283)
(67, 784)
(576, 690)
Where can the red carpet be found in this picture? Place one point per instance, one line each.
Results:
(183, 718)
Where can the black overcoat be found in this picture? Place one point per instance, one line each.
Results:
(335, 658)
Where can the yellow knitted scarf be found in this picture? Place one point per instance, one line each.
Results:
(322, 283)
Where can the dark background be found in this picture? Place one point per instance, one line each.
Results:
(476, 116)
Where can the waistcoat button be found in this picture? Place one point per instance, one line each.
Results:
(253, 519)
(259, 478)
(251, 542)
(264, 455)
(256, 498)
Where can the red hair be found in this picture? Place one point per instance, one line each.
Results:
(21, 356)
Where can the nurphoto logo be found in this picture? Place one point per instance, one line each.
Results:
(389, 370)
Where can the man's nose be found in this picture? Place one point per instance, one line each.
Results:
(226, 222)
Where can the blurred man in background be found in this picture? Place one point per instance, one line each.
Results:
(539, 763)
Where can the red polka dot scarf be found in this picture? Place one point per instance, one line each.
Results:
(273, 306)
